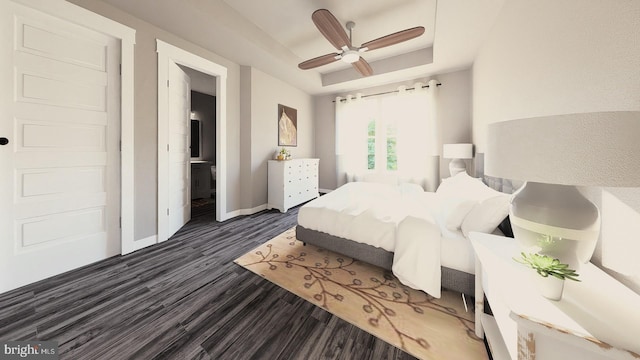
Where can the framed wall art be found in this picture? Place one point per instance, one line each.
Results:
(287, 126)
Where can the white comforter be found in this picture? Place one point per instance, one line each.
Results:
(395, 218)
(416, 260)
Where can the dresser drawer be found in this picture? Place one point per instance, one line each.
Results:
(292, 182)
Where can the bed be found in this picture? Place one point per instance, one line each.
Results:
(421, 236)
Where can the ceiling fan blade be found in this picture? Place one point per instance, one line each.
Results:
(330, 28)
(394, 38)
(363, 67)
(319, 61)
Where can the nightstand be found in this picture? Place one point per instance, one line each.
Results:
(597, 318)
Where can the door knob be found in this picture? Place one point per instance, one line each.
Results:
(4, 141)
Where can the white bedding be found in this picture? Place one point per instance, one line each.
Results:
(389, 217)
(415, 225)
(363, 212)
(345, 213)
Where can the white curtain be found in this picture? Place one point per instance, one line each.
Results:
(412, 112)
(419, 132)
(352, 116)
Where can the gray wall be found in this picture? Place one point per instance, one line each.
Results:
(568, 56)
(454, 112)
(325, 125)
(146, 116)
(266, 92)
(252, 100)
(201, 82)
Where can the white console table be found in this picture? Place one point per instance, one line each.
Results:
(597, 318)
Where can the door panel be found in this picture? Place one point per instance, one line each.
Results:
(179, 151)
(60, 173)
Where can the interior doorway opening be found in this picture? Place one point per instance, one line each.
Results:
(203, 143)
(216, 77)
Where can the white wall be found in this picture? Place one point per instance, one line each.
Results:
(454, 113)
(266, 92)
(567, 56)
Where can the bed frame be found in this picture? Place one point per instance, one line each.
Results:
(451, 279)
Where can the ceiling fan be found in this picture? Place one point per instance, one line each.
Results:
(337, 36)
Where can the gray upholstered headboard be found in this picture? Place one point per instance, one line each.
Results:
(500, 184)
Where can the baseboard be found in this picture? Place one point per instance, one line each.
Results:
(324, 191)
(242, 212)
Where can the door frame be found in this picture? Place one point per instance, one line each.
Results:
(127, 36)
(166, 53)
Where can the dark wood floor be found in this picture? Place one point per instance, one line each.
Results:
(184, 299)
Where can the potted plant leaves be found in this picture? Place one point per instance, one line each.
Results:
(284, 154)
(552, 273)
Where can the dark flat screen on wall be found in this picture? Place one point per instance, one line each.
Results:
(195, 138)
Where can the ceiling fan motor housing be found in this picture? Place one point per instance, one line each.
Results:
(350, 56)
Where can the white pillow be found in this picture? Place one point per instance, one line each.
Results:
(410, 188)
(454, 211)
(486, 215)
(381, 178)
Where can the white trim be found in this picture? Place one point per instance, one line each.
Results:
(251, 211)
(127, 36)
(167, 53)
(324, 191)
(127, 182)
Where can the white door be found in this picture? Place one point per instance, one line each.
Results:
(179, 148)
(60, 170)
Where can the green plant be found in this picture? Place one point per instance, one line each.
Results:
(545, 266)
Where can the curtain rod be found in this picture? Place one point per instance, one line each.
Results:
(390, 92)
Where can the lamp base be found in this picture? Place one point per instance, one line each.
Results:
(457, 166)
(555, 220)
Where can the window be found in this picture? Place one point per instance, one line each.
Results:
(385, 155)
(396, 133)
(392, 142)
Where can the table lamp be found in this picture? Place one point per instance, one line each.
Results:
(554, 154)
(457, 152)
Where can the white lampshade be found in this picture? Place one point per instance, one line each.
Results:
(590, 149)
(553, 154)
(457, 151)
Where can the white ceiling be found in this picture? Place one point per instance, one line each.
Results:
(275, 35)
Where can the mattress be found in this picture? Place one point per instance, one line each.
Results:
(370, 213)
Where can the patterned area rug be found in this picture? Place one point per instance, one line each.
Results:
(370, 298)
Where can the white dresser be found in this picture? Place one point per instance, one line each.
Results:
(292, 182)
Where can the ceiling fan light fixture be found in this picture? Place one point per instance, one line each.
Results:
(350, 56)
(335, 33)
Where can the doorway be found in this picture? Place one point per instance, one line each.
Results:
(168, 54)
(202, 143)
